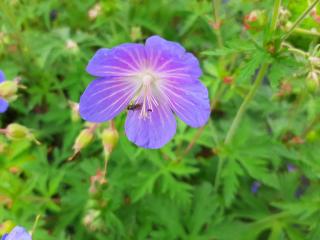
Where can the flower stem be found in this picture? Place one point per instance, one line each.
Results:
(238, 118)
(245, 103)
(236, 121)
(216, 10)
(306, 32)
(300, 19)
(35, 224)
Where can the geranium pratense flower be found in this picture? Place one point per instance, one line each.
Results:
(3, 103)
(18, 233)
(153, 81)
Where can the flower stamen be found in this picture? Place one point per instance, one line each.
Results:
(146, 96)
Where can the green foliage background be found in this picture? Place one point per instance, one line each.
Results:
(169, 193)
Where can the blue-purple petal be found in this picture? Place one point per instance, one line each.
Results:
(3, 105)
(171, 59)
(2, 77)
(152, 132)
(123, 60)
(4, 237)
(105, 98)
(190, 102)
(18, 233)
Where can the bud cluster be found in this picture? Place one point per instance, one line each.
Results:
(109, 136)
(92, 218)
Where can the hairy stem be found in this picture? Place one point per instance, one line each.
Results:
(238, 117)
(245, 103)
(35, 224)
(236, 121)
(216, 10)
(298, 30)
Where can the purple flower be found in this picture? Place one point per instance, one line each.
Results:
(3, 103)
(291, 167)
(255, 187)
(18, 233)
(152, 81)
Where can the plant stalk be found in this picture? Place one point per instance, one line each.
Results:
(300, 19)
(246, 102)
(275, 15)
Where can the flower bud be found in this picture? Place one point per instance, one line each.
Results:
(135, 34)
(6, 227)
(72, 46)
(4, 38)
(8, 89)
(284, 15)
(94, 12)
(288, 26)
(312, 82)
(16, 131)
(312, 136)
(92, 220)
(75, 116)
(315, 61)
(228, 80)
(83, 140)
(296, 140)
(255, 20)
(315, 15)
(110, 137)
(96, 181)
(285, 89)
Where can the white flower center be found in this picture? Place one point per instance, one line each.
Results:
(147, 79)
(146, 95)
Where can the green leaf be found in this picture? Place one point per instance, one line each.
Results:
(282, 68)
(232, 47)
(249, 69)
(231, 172)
